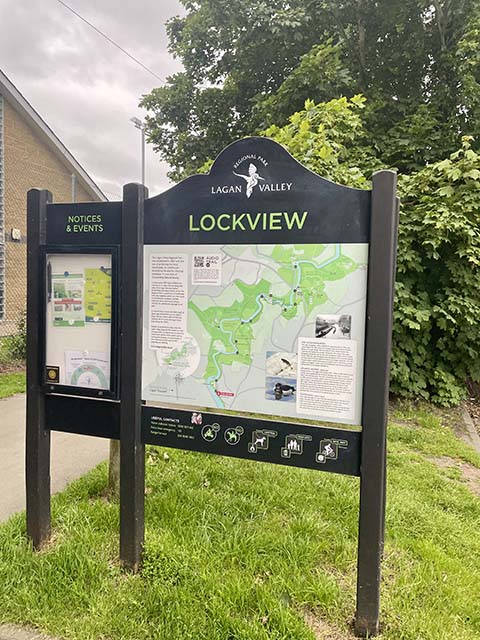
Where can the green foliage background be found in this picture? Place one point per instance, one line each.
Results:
(249, 64)
(370, 84)
(437, 315)
(436, 340)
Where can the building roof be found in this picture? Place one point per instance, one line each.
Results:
(25, 109)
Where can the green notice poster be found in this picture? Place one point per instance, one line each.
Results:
(98, 295)
(68, 301)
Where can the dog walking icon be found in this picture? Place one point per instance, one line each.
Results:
(261, 440)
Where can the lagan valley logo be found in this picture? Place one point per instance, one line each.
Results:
(252, 180)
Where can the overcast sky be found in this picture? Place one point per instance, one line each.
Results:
(85, 88)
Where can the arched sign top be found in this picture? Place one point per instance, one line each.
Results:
(255, 150)
(256, 191)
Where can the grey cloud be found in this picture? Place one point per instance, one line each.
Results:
(85, 88)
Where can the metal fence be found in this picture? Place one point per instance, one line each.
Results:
(13, 343)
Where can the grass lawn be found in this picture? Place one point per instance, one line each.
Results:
(237, 550)
(11, 383)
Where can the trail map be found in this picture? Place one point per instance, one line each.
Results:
(271, 329)
(98, 295)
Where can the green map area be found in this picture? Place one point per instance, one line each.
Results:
(98, 295)
(236, 340)
(303, 270)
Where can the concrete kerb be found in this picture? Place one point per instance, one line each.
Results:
(471, 432)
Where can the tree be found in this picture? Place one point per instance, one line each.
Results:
(231, 52)
(437, 313)
(330, 139)
(251, 63)
(436, 336)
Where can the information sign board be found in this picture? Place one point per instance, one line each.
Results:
(238, 313)
(276, 328)
(255, 289)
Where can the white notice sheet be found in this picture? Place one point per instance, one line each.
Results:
(87, 369)
(168, 300)
(327, 377)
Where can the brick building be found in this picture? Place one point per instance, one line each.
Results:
(31, 155)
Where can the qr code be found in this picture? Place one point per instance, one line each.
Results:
(199, 261)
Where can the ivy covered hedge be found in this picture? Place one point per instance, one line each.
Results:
(436, 339)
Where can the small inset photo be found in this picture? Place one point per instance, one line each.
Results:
(335, 327)
(281, 363)
(281, 376)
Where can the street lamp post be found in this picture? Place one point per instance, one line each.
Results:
(141, 125)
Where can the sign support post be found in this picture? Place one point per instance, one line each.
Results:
(132, 451)
(381, 281)
(37, 469)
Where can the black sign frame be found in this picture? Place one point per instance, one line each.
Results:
(344, 443)
(112, 419)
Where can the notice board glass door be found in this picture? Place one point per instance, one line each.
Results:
(79, 323)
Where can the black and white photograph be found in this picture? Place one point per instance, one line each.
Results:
(336, 327)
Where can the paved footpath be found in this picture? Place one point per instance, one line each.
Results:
(72, 456)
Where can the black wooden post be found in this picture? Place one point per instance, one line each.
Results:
(381, 279)
(132, 451)
(37, 458)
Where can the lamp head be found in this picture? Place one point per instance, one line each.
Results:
(138, 123)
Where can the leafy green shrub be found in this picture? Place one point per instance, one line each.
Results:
(436, 338)
(437, 316)
(329, 139)
(18, 342)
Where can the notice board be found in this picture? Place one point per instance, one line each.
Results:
(78, 320)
